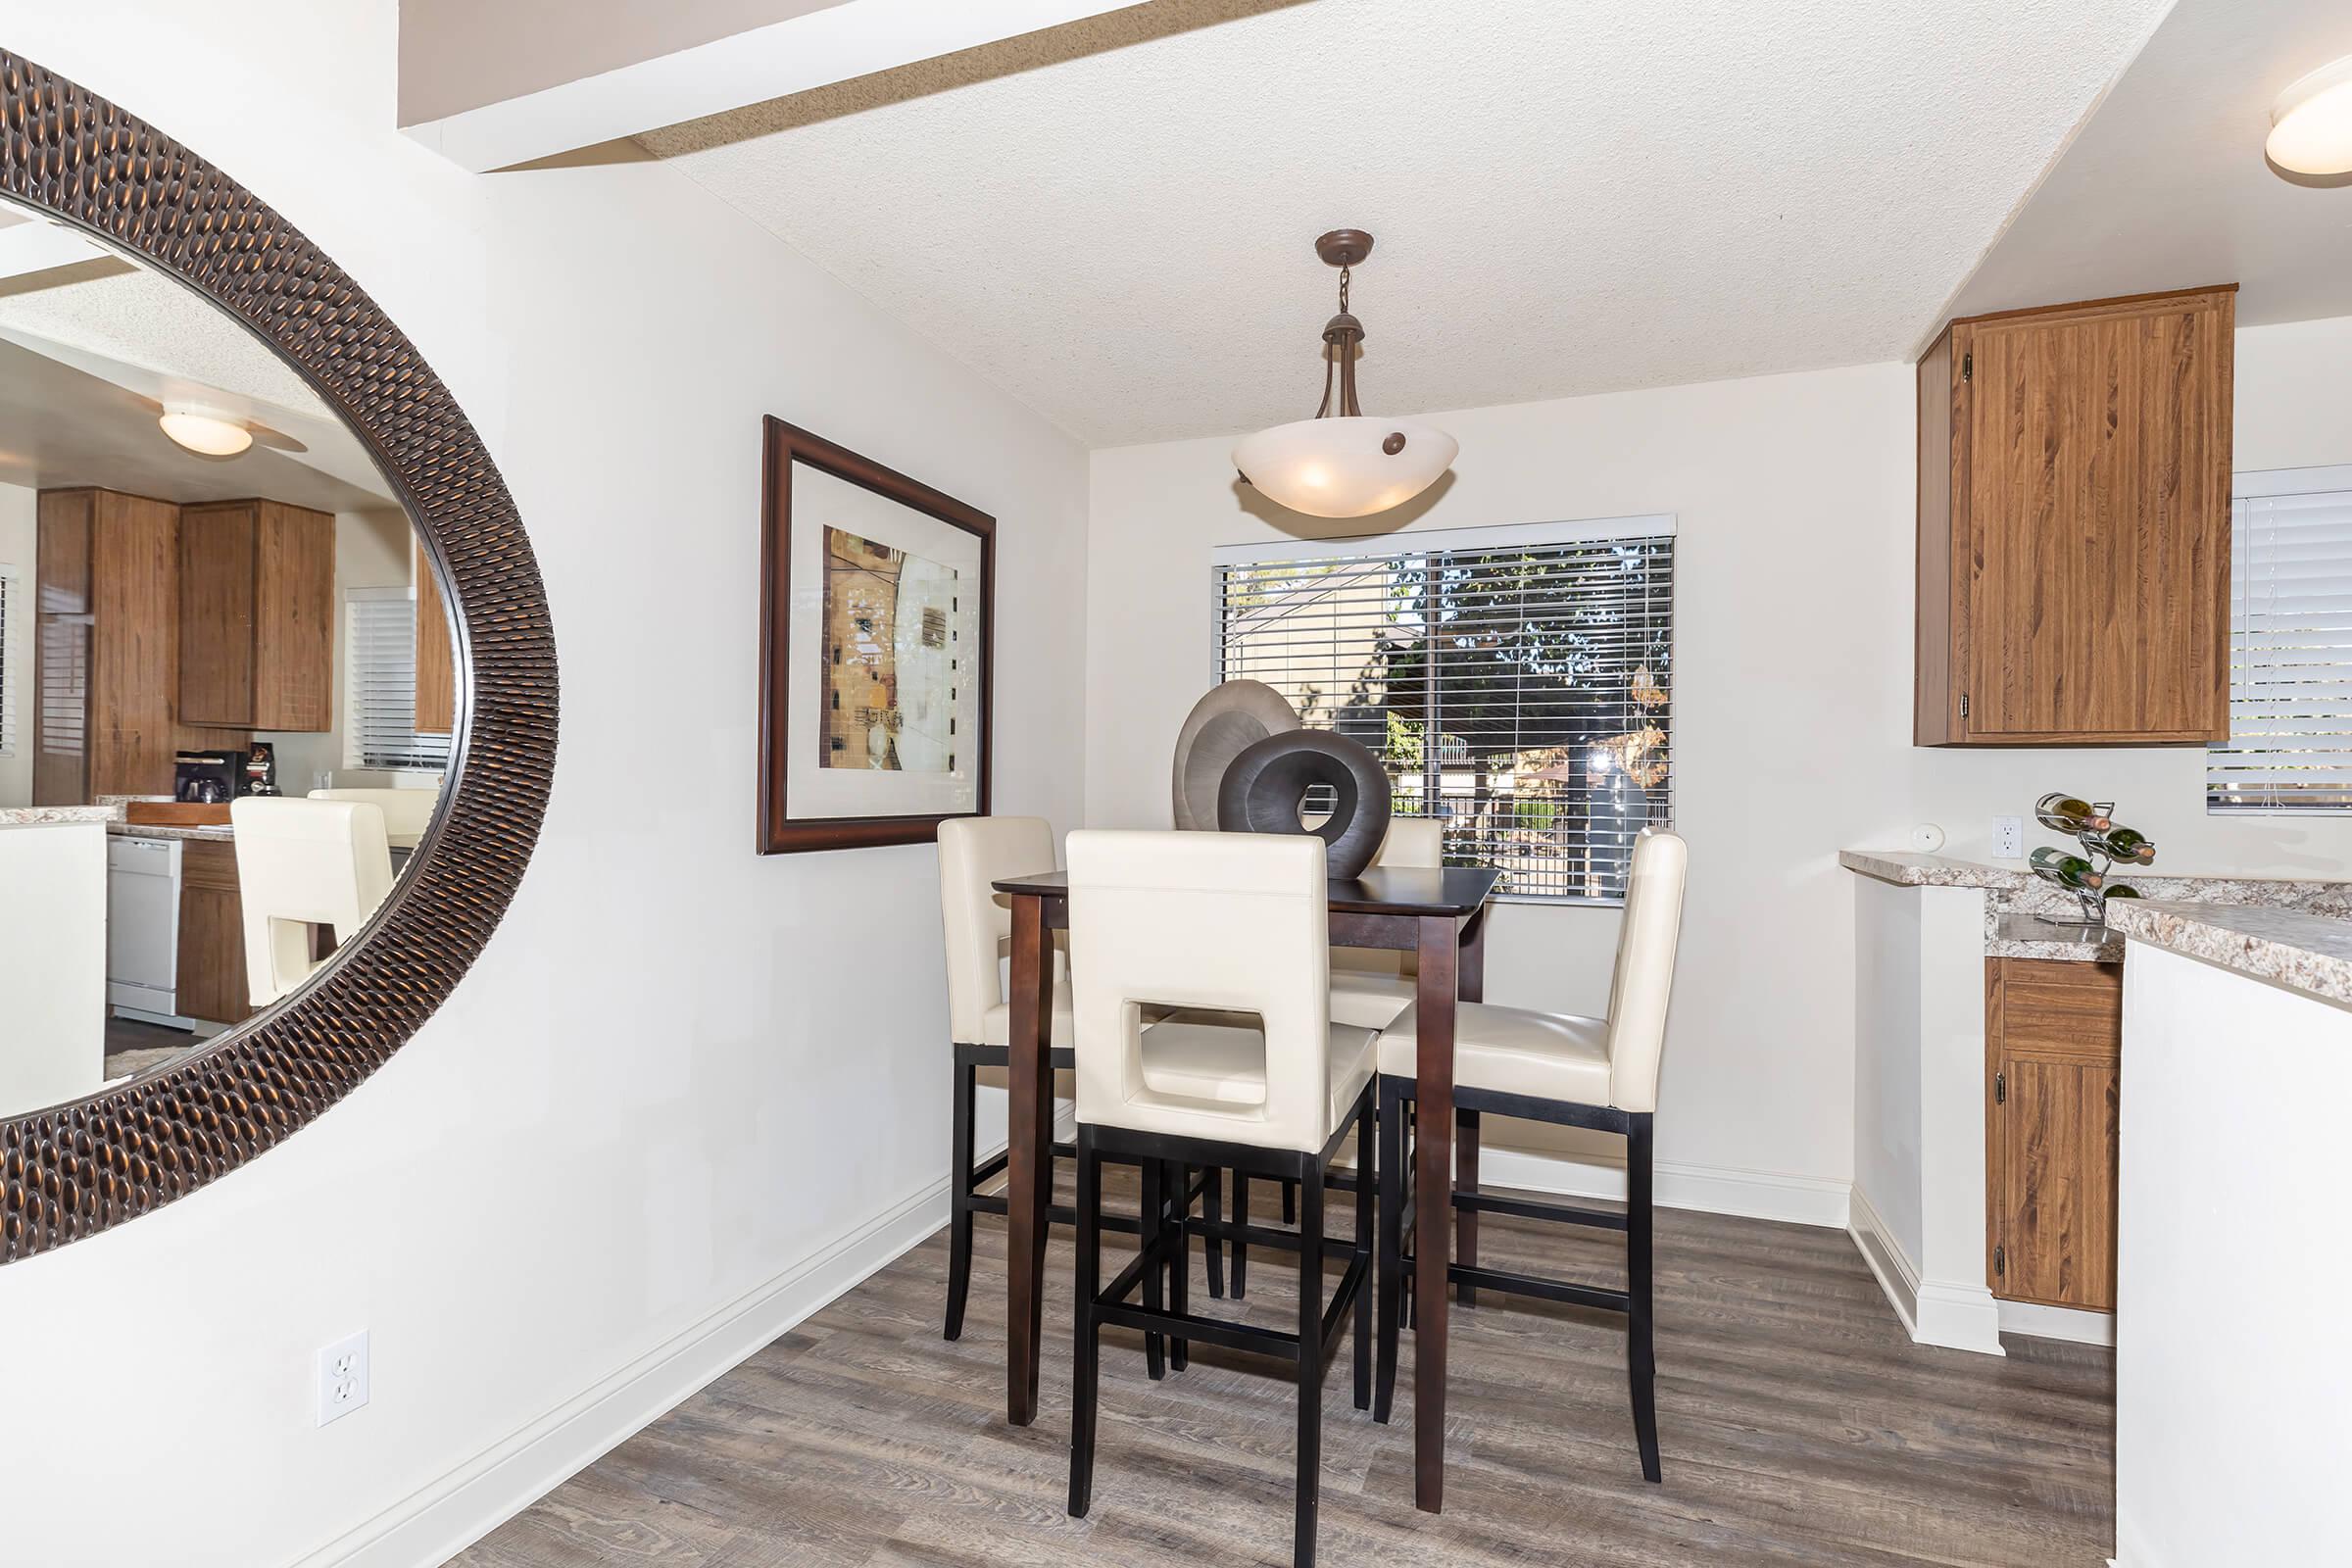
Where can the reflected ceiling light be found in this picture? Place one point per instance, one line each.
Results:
(204, 432)
(1343, 464)
(2311, 125)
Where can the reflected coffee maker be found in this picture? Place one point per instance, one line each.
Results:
(207, 777)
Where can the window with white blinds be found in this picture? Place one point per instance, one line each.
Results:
(380, 677)
(1516, 682)
(9, 616)
(2290, 646)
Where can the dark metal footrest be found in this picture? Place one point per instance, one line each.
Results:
(1528, 1208)
(1200, 1330)
(1511, 1284)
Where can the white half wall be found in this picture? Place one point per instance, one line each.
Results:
(688, 1092)
(2233, 1378)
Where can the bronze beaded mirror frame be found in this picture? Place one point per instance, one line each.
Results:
(73, 1170)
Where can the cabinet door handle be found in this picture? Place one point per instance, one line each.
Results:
(2000, 1089)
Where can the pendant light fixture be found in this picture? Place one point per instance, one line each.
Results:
(1340, 463)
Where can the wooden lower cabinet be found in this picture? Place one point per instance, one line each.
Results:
(2053, 1049)
(212, 934)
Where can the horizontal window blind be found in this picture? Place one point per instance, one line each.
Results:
(2290, 657)
(381, 668)
(1521, 694)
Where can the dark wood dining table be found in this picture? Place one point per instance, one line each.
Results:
(1437, 916)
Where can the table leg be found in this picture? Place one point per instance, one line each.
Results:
(1029, 1132)
(1433, 1203)
(1471, 986)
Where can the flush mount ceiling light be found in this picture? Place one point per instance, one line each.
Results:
(2311, 125)
(1343, 464)
(204, 432)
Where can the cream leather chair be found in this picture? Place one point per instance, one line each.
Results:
(1599, 1073)
(407, 812)
(1246, 1070)
(1369, 989)
(976, 853)
(302, 863)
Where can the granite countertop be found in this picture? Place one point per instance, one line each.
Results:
(217, 832)
(1906, 870)
(54, 816)
(2292, 948)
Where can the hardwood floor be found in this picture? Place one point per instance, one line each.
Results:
(1799, 1426)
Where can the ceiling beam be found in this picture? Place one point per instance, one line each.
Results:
(808, 49)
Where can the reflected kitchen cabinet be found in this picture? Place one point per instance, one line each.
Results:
(257, 600)
(436, 656)
(212, 983)
(105, 646)
(2074, 525)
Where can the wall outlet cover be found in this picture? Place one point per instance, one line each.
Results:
(2008, 838)
(342, 1377)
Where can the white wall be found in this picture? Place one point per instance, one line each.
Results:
(1792, 571)
(2233, 1378)
(1792, 713)
(681, 1072)
(18, 535)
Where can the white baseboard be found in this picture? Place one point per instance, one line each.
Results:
(1713, 1189)
(1956, 1317)
(2071, 1324)
(449, 1514)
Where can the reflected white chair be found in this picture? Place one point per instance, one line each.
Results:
(300, 864)
(976, 853)
(1598, 1074)
(407, 812)
(1246, 1072)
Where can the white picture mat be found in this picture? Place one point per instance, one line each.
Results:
(821, 501)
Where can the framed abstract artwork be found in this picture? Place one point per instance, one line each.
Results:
(876, 638)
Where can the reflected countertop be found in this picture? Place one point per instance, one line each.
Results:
(54, 816)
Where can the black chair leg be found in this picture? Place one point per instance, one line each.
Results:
(1153, 1214)
(1641, 1354)
(1465, 1180)
(1363, 1252)
(1180, 1264)
(1086, 1360)
(1213, 1209)
(1392, 1248)
(1290, 1202)
(960, 1202)
(1310, 1366)
(1240, 1249)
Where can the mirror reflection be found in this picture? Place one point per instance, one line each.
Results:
(227, 686)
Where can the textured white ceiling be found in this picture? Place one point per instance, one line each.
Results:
(2167, 186)
(1114, 220)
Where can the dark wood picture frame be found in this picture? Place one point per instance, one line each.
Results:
(71, 1170)
(784, 445)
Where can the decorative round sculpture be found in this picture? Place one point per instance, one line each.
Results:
(1266, 786)
(1223, 724)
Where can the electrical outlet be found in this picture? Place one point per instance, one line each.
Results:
(2008, 838)
(342, 1377)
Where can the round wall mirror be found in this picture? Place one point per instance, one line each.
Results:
(277, 685)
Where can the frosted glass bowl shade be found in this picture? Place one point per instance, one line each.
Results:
(2311, 129)
(1337, 467)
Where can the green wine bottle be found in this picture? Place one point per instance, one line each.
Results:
(2067, 870)
(2060, 812)
(2126, 844)
(2120, 891)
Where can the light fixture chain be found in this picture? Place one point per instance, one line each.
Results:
(1344, 275)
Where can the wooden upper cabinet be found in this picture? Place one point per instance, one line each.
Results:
(257, 591)
(436, 655)
(2074, 525)
(106, 632)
